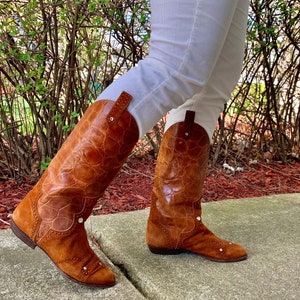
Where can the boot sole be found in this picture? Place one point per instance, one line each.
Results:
(28, 241)
(166, 251)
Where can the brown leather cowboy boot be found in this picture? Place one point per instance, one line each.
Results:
(53, 213)
(175, 223)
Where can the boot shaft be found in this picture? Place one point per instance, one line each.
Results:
(178, 184)
(182, 163)
(81, 170)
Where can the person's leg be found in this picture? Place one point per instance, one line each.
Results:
(175, 223)
(211, 100)
(187, 38)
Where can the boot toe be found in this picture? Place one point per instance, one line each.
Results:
(227, 252)
(102, 278)
(236, 252)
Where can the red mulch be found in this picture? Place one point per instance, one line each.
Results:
(131, 189)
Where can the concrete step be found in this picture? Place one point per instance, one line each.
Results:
(267, 226)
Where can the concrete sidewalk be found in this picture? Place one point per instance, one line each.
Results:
(268, 227)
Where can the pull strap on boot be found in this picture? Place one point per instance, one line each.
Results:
(175, 223)
(53, 213)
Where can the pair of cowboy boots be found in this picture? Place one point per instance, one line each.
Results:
(53, 213)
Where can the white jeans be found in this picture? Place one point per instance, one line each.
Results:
(195, 57)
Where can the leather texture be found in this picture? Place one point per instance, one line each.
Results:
(175, 223)
(53, 213)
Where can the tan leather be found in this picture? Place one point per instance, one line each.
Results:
(175, 223)
(53, 213)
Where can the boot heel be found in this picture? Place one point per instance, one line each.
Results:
(21, 235)
(164, 251)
